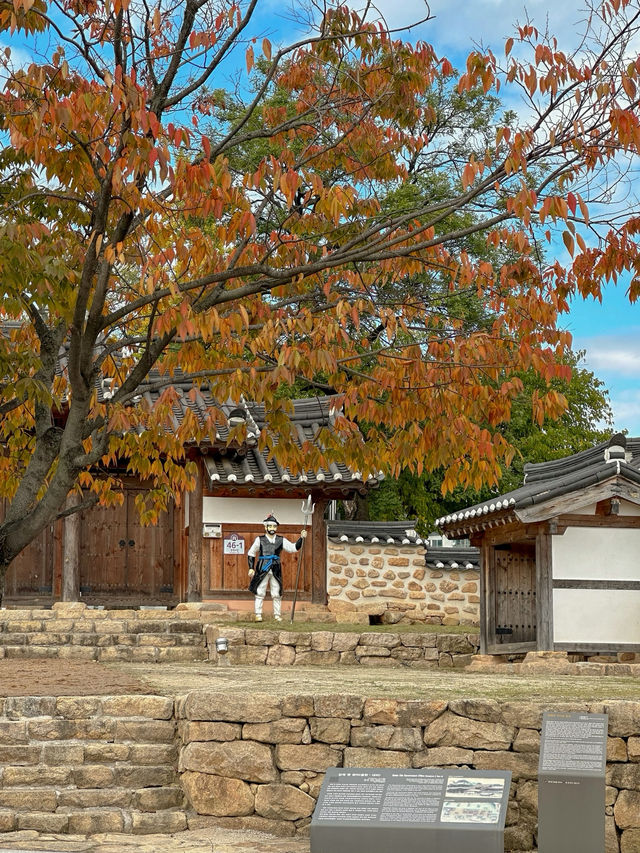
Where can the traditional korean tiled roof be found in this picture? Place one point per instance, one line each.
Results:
(245, 466)
(451, 558)
(372, 532)
(612, 461)
(252, 466)
(462, 559)
(191, 397)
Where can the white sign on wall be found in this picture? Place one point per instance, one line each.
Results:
(233, 544)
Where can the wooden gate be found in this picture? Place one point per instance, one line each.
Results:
(122, 559)
(227, 574)
(31, 577)
(515, 593)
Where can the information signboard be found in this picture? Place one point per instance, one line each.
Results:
(571, 783)
(415, 811)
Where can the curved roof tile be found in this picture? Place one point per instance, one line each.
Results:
(371, 532)
(619, 457)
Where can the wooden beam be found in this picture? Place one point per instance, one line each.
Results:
(613, 487)
(601, 521)
(487, 597)
(544, 591)
(194, 573)
(592, 583)
(71, 551)
(595, 648)
(510, 648)
(319, 554)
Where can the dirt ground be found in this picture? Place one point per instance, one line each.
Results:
(55, 677)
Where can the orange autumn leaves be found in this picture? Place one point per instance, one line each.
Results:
(245, 240)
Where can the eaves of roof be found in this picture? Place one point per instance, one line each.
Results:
(452, 559)
(374, 532)
(255, 468)
(548, 481)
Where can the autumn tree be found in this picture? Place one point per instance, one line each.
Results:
(587, 420)
(134, 246)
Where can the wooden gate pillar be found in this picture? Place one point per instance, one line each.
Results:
(194, 572)
(544, 592)
(71, 552)
(319, 552)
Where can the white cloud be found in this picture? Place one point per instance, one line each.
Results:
(617, 354)
(459, 24)
(626, 411)
(20, 58)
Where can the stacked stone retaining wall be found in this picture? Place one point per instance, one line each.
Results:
(86, 765)
(258, 761)
(327, 648)
(82, 633)
(379, 579)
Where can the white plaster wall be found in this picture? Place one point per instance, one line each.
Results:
(248, 510)
(596, 616)
(595, 553)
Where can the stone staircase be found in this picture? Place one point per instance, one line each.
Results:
(82, 633)
(86, 765)
(235, 610)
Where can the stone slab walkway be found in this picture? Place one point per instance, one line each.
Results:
(203, 837)
(176, 679)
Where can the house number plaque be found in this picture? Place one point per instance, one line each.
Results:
(233, 544)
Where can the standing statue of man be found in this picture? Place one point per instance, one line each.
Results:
(265, 568)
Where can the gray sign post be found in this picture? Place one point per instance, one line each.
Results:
(571, 783)
(379, 810)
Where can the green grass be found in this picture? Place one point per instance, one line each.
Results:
(400, 628)
(176, 679)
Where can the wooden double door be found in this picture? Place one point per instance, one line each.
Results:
(226, 574)
(120, 560)
(119, 556)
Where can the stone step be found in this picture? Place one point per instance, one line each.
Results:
(62, 775)
(65, 626)
(97, 820)
(141, 654)
(48, 638)
(90, 764)
(51, 799)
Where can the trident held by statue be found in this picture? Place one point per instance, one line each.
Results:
(307, 511)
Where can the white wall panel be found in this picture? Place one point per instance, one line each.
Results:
(596, 553)
(596, 616)
(249, 510)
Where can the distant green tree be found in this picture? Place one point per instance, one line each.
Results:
(587, 421)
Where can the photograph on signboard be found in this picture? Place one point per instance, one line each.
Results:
(456, 811)
(475, 787)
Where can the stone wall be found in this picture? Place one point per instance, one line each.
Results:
(89, 764)
(381, 579)
(258, 761)
(73, 630)
(321, 648)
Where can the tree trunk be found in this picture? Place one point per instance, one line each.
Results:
(71, 559)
